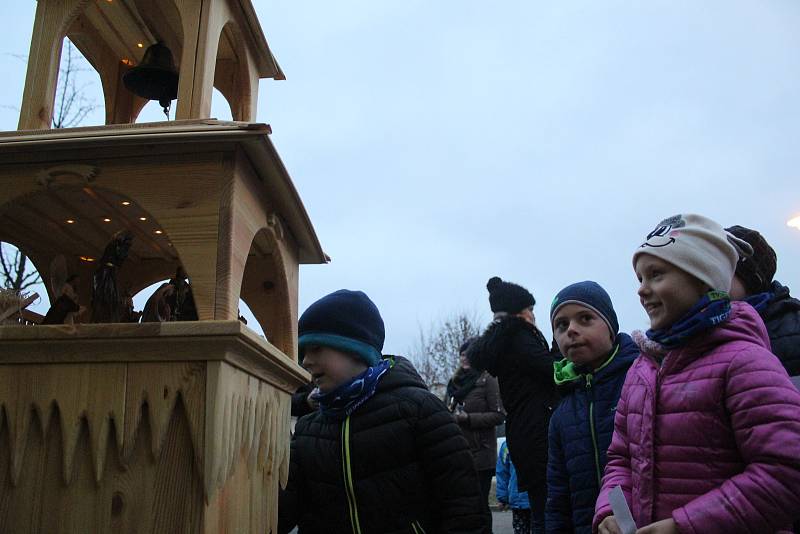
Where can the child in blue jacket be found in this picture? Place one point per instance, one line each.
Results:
(509, 495)
(590, 378)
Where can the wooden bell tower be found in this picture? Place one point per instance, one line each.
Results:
(162, 426)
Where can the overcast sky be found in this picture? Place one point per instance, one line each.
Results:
(437, 144)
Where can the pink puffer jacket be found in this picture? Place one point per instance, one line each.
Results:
(711, 438)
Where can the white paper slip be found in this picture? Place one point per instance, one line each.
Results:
(621, 511)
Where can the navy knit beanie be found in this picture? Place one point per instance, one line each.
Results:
(508, 297)
(589, 295)
(344, 320)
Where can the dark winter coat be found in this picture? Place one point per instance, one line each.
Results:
(580, 433)
(484, 412)
(782, 317)
(515, 352)
(406, 464)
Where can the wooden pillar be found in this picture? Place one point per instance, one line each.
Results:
(197, 72)
(44, 60)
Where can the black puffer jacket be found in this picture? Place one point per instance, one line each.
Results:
(407, 466)
(519, 356)
(782, 317)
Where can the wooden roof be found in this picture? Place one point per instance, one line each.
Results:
(124, 25)
(90, 207)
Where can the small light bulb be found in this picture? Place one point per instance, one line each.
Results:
(106, 219)
(140, 45)
(70, 221)
(142, 218)
(159, 232)
(126, 202)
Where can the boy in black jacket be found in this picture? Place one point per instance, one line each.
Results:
(516, 352)
(381, 454)
(753, 283)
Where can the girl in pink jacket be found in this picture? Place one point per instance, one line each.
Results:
(707, 430)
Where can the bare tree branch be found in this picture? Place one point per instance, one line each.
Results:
(18, 273)
(71, 102)
(436, 355)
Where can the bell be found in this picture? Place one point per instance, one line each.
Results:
(155, 78)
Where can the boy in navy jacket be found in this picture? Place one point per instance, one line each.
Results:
(590, 378)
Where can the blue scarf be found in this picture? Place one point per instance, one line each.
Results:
(345, 399)
(760, 300)
(711, 310)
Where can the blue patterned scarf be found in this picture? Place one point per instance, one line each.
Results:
(345, 399)
(711, 310)
(760, 300)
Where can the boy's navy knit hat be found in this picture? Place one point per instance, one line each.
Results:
(508, 297)
(344, 320)
(589, 295)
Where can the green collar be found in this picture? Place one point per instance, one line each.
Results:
(565, 371)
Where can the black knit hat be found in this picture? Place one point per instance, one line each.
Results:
(757, 271)
(344, 320)
(508, 297)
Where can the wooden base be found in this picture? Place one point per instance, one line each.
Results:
(100, 434)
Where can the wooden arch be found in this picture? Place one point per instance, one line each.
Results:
(36, 222)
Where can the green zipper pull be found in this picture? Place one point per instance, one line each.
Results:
(594, 431)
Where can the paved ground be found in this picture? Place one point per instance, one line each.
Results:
(501, 523)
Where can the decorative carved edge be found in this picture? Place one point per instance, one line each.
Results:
(235, 420)
(70, 174)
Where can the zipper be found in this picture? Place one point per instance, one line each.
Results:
(348, 477)
(594, 431)
(659, 376)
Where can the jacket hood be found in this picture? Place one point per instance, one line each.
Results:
(402, 374)
(744, 324)
(781, 303)
(625, 351)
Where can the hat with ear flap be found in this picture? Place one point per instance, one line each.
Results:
(697, 245)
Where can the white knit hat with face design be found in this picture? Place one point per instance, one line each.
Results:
(697, 245)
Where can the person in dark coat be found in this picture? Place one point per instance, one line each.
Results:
(515, 351)
(590, 380)
(474, 398)
(381, 454)
(754, 283)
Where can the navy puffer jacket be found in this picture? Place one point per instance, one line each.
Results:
(580, 434)
(782, 317)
